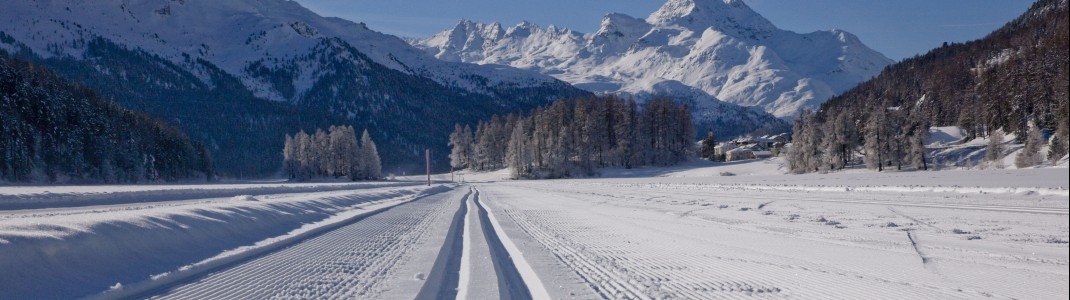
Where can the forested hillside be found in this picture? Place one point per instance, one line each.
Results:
(55, 131)
(240, 84)
(1010, 80)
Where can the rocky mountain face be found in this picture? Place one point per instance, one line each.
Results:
(719, 48)
(240, 74)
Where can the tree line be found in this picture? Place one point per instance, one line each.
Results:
(1011, 81)
(331, 153)
(576, 137)
(892, 138)
(54, 131)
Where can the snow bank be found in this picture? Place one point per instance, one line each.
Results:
(91, 250)
(940, 136)
(245, 252)
(34, 197)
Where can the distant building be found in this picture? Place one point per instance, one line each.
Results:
(739, 154)
(750, 147)
(763, 154)
(723, 148)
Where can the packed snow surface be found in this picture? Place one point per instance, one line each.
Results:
(690, 231)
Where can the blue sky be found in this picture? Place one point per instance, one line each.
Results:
(897, 28)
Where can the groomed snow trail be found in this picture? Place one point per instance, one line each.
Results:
(354, 261)
(79, 252)
(686, 241)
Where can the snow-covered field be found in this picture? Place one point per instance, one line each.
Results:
(702, 230)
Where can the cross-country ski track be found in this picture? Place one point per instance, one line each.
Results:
(626, 238)
(360, 258)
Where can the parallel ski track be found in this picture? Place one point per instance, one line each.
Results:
(443, 282)
(511, 284)
(350, 262)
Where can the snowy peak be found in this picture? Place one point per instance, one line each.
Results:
(617, 33)
(732, 16)
(616, 23)
(720, 47)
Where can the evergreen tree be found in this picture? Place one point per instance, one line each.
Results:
(917, 153)
(1057, 149)
(54, 131)
(627, 142)
(289, 154)
(370, 163)
(876, 137)
(708, 150)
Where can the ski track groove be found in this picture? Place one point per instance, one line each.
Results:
(350, 262)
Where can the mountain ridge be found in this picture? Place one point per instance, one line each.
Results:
(721, 47)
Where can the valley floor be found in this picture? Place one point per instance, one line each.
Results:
(686, 232)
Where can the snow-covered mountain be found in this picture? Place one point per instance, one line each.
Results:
(719, 47)
(239, 36)
(239, 74)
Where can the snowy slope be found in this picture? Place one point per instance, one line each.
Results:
(235, 35)
(721, 47)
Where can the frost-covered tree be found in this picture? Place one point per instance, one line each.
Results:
(460, 146)
(371, 167)
(994, 149)
(835, 143)
(519, 151)
(805, 153)
(322, 153)
(343, 150)
(1030, 154)
(304, 154)
(331, 153)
